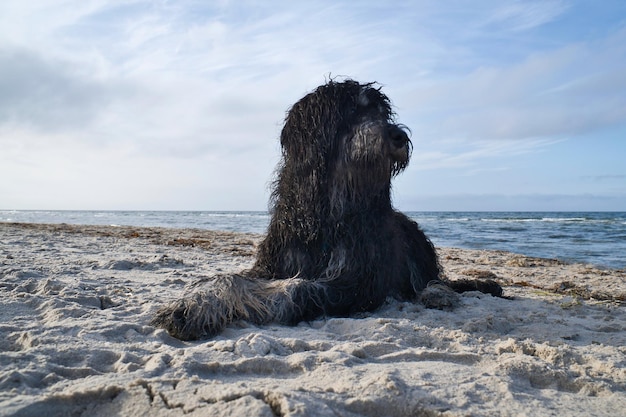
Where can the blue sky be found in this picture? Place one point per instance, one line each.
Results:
(177, 105)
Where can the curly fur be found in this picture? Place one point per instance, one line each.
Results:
(335, 245)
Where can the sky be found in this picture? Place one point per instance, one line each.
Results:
(178, 105)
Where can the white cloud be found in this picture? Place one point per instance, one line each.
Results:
(559, 93)
(200, 87)
(521, 15)
(473, 155)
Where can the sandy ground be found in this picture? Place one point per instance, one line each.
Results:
(75, 339)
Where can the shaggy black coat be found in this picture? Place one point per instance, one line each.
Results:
(335, 245)
(332, 217)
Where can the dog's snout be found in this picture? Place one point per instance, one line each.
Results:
(398, 137)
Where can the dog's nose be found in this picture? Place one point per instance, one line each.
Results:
(398, 137)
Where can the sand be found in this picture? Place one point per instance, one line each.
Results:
(75, 338)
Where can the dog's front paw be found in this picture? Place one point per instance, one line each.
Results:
(486, 286)
(439, 295)
(190, 318)
(172, 318)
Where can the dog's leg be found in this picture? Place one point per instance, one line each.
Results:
(221, 300)
(444, 295)
(487, 286)
(439, 295)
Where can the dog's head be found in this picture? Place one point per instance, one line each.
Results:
(345, 128)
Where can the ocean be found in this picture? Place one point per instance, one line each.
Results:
(597, 238)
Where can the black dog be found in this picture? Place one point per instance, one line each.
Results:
(335, 245)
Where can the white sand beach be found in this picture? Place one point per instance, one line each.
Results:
(75, 338)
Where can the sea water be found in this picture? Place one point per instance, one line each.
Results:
(597, 238)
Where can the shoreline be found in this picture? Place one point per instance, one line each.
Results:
(586, 237)
(76, 301)
(94, 228)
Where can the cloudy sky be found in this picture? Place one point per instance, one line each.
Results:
(177, 105)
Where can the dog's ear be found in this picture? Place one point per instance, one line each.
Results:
(315, 122)
(302, 139)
